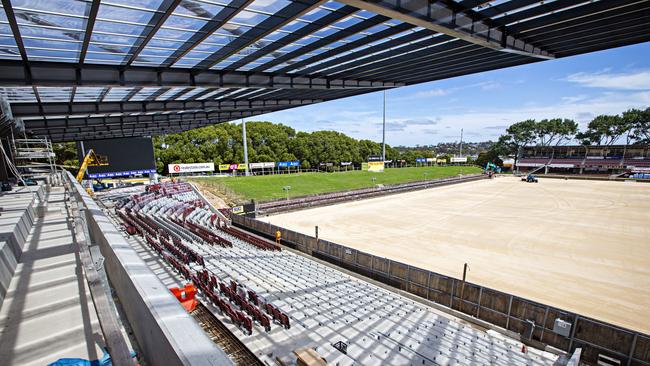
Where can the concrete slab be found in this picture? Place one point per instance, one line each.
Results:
(48, 312)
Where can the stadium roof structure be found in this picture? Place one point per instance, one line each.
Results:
(86, 69)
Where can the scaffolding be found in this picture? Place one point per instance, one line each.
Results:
(34, 156)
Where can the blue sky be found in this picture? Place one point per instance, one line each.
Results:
(580, 87)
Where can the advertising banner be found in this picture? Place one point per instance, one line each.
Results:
(374, 158)
(431, 160)
(326, 164)
(224, 166)
(420, 160)
(346, 163)
(286, 164)
(269, 164)
(376, 166)
(121, 174)
(459, 160)
(190, 168)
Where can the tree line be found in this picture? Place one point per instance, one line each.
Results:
(267, 141)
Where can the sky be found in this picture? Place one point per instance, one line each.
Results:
(484, 104)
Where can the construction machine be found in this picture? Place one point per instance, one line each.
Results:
(529, 179)
(91, 159)
(492, 167)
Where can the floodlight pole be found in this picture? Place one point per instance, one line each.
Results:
(460, 154)
(383, 132)
(243, 128)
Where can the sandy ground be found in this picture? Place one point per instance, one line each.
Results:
(583, 246)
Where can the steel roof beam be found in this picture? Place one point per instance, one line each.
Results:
(90, 24)
(12, 73)
(11, 18)
(300, 65)
(443, 18)
(217, 21)
(276, 21)
(85, 108)
(578, 13)
(72, 121)
(337, 36)
(296, 35)
(165, 10)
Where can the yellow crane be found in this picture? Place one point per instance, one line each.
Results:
(91, 159)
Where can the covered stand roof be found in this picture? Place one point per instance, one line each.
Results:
(86, 69)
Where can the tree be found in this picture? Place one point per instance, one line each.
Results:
(517, 136)
(638, 122)
(604, 130)
(551, 132)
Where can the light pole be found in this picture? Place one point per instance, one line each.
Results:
(243, 127)
(383, 132)
(287, 188)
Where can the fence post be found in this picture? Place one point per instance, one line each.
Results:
(509, 308)
(541, 337)
(632, 349)
(451, 298)
(573, 331)
(429, 285)
(480, 294)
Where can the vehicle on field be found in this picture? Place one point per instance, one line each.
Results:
(529, 179)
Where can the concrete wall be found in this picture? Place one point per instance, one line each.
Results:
(478, 303)
(16, 221)
(166, 333)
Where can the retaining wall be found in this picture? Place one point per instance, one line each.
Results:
(504, 310)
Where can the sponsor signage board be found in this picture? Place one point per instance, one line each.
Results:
(346, 163)
(190, 168)
(224, 166)
(420, 160)
(459, 159)
(431, 160)
(326, 164)
(286, 164)
(269, 164)
(376, 166)
(374, 158)
(121, 174)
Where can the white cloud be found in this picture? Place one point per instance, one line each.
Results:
(574, 98)
(439, 92)
(432, 93)
(639, 80)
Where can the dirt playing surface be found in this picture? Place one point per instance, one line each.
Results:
(582, 246)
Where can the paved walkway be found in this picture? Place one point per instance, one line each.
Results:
(48, 311)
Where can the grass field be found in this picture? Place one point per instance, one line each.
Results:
(269, 187)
